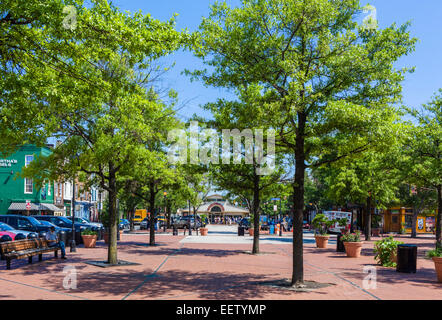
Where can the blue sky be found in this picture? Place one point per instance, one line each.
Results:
(419, 87)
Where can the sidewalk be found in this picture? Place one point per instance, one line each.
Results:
(180, 269)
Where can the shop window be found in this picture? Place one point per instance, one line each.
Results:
(408, 221)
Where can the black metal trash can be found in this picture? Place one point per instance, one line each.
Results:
(406, 258)
(175, 231)
(240, 231)
(340, 244)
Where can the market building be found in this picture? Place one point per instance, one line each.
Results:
(218, 209)
(21, 195)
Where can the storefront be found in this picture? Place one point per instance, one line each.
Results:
(219, 210)
(397, 219)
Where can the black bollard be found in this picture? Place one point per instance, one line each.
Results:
(340, 244)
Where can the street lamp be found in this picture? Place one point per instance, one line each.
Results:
(73, 244)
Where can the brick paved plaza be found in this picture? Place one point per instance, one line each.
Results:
(216, 267)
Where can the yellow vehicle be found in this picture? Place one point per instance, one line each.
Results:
(139, 216)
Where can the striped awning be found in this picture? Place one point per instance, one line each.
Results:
(21, 206)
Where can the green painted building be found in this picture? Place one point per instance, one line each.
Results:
(22, 196)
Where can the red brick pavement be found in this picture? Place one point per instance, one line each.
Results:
(173, 270)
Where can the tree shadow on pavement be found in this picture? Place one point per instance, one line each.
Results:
(424, 277)
(187, 252)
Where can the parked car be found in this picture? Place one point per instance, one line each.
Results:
(186, 222)
(94, 225)
(144, 224)
(25, 223)
(245, 223)
(7, 228)
(305, 225)
(63, 222)
(124, 224)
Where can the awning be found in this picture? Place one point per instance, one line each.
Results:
(50, 207)
(21, 206)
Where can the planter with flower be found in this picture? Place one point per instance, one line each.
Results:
(352, 244)
(89, 238)
(321, 224)
(436, 255)
(203, 230)
(386, 251)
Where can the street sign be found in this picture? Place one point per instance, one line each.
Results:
(28, 205)
(275, 208)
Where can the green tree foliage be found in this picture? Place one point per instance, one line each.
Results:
(104, 111)
(325, 83)
(422, 160)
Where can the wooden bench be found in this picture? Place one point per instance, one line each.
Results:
(27, 248)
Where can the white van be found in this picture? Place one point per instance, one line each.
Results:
(331, 215)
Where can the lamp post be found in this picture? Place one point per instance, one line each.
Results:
(73, 244)
(165, 210)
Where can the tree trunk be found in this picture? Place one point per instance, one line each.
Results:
(298, 203)
(255, 210)
(132, 216)
(414, 222)
(152, 216)
(439, 218)
(113, 218)
(168, 209)
(368, 220)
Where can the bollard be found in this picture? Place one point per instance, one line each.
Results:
(340, 244)
(190, 231)
(175, 231)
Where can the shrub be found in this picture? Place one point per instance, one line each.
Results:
(434, 253)
(88, 232)
(321, 224)
(384, 250)
(351, 237)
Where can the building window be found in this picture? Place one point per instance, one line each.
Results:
(395, 219)
(28, 159)
(408, 221)
(28, 186)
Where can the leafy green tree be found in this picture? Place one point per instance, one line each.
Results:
(326, 84)
(244, 179)
(106, 116)
(371, 180)
(423, 153)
